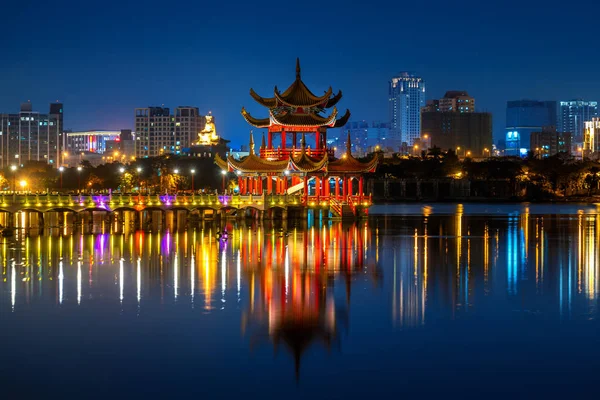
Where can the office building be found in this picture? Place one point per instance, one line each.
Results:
(159, 132)
(591, 138)
(453, 123)
(469, 134)
(31, 136)
(549, 142)
(89, 141)
(406, 98)
(524, 117)
(573, 114)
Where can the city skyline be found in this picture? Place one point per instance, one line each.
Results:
(101, 77)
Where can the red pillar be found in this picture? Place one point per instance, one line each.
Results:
(283, 146)
(260, 185)
(327, 187)
(337, 188)
(269, 185)
(240, 185)
(285, 184)
(345, 189)
(318, 139)
(360, 187)
(349, 186)
(317, 187)
(305, 186)
(295, 143)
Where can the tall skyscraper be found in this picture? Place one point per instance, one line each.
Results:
(573, 114)
(31, 136)
(159, 132)
(452, 123)
(406, 97)
(524, 117)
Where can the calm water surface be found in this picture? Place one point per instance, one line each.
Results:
(441, 300)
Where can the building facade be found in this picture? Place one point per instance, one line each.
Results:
(31, 136)
(524, 117)
(458, 101)
(159, 132)
(573, 114)
(469, 134)
(406, 98)
(591, 138)
(549, 142)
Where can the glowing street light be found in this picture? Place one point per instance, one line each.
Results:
(79, 169)
(122, 170)
(192, 171)
(23, 183)
(61, 170)
(13, 168)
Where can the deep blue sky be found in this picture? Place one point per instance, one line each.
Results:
(103, 59)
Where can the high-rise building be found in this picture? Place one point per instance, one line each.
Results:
(549, 142)
(573, 114)
(452, 123)
(524, 117)
(159, 132)
(31, 136)
(591, 138)
(406, 98)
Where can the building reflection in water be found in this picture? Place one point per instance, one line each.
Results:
(294, 285)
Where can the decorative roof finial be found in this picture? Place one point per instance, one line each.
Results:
(263, 145)
(349, 144)
(298, 68)
(251, 143)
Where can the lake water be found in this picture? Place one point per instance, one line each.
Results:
(435, 300)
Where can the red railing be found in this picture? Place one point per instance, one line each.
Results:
(282, 154)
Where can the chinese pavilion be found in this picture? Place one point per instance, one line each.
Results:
(312, 175)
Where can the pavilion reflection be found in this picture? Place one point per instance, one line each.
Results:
(285, 275)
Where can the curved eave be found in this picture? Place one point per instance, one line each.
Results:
(255, 164)
(334, 100)
(343, 120)
(304, 119)
(257, 122)
(268, 102)
(298, 95)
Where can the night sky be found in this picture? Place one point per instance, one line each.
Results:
(103, 59)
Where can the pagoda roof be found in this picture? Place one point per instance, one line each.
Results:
(288, 118)
(303, 163)
(297, 95)
(349, 164)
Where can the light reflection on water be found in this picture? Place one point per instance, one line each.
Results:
(312, 289)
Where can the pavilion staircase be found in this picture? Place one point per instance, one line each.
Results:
(341, 210)
(298, 187)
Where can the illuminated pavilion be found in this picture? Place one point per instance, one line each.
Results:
(293, 168)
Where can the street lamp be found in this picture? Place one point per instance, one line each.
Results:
(468, 153)
(23, 183)
(223, 172)
(13, 168)
(416, 148)
(457, 150)
(193, 171)
(61, 170)
(139, 171)
(79, 169)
